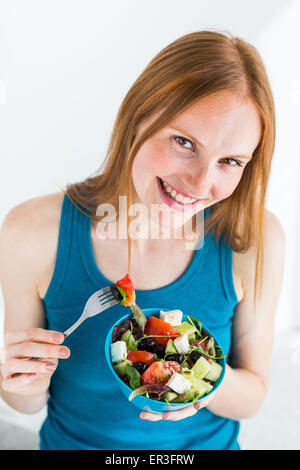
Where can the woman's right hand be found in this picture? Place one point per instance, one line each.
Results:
(33, 376)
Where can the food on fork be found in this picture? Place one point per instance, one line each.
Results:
(123, 290)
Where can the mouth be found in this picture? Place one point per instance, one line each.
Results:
(176, 196)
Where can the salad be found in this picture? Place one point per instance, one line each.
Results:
(123, 291)
(165, 358)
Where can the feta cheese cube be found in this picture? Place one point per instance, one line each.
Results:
(182, 344)
(178, 383)
(117, 351)
(174, 317)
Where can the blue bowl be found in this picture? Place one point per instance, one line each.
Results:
(140, 401)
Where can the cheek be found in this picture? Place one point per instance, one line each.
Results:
(227, 186)
(152, 160)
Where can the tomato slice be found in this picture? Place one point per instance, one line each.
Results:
(128, 287)
(126, 283)
(143, 356)
(156, 326)
(160, 372)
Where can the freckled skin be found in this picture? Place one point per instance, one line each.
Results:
(224, 124)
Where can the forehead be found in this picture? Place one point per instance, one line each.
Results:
(222, 121)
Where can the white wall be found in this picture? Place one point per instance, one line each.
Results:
(65, 66)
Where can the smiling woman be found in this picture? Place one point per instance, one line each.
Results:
(201, 75)
(194, 136)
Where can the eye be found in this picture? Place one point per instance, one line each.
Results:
(182, 141)
(232, 162)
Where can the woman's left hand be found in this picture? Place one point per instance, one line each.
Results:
(186, 412)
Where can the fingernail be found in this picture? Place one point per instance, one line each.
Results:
(63, 352)
(50, 366)
(58, 337)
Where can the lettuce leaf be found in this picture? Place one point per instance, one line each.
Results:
(124, 326)
(155, 391)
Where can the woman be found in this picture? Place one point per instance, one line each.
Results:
(198, 121)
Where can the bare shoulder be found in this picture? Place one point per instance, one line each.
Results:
(274, 246)
(32, 210)
(29, 235)
(274, 233)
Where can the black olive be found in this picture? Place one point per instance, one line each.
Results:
(160, 350)
(195, 356)
(136, 331)
(146, 344)
(140, 366)
(175, 357)
(115, 292)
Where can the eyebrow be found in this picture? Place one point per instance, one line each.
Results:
(189, 136)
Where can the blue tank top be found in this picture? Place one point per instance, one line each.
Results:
(86, 409)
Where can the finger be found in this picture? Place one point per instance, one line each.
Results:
(19, 366)
(205, 401)
(33, 334)
(30, 349)
(180, 414)
(11, 384)
(151, 416)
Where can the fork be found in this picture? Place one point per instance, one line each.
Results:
(97, 303)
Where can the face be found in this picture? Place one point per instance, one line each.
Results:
(198, 159)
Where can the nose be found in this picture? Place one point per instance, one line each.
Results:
(200, 182)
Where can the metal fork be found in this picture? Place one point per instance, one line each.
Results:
(97, 303)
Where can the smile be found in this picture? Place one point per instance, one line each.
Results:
(177, 196)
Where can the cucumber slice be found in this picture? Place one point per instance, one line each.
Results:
(208, 385)
(187, 396)
(170, 348)
(201, 367)
(198, 384)
(192, 337)
(128, 338)
(120, 369)
(169, 396)
(214, 372)
(185, 328)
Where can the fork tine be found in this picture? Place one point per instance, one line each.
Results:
(108, 296)
(104, 290)
(104, 294)
(111, 303)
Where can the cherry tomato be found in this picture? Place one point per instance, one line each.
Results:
(156, 326)
(160, 372)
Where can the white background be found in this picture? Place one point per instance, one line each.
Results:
(65, 67)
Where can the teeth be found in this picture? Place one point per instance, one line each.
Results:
(177, 196)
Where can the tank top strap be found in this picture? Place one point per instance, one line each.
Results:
(66, 231)
(226, 271)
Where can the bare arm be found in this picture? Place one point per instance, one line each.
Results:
(247, 378)
(24, 251)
